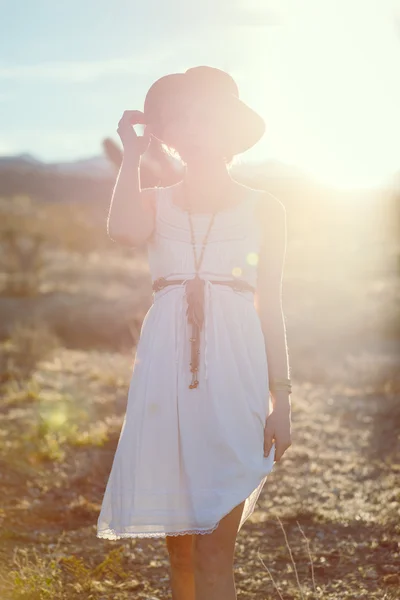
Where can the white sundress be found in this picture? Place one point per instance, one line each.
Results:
(186, 457)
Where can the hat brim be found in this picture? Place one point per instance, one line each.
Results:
(242, 126)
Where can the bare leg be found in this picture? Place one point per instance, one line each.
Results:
(181, 566)
(213, 555)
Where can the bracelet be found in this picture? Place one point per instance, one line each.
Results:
(281, 384)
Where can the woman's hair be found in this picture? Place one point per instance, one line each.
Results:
(172, 153)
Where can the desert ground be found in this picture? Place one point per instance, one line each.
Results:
(327, 523)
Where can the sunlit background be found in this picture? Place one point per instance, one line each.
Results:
(325, 76)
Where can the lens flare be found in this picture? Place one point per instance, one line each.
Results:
(252, 258)
(236, 271)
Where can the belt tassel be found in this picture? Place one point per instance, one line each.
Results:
(195, 292)
(195, 316)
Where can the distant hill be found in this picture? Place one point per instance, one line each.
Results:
(62, 181)
(101, 166)
(91, 181)
(94, 166)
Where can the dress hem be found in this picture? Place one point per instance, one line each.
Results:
(112, 534)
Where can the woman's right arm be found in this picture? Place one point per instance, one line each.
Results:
(130, 219)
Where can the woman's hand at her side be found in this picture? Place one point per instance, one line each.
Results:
(133, 144)
(278, 428)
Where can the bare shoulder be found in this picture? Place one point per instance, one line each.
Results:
(270, 210)
(149, 197)
(152, 194)
(271, 214)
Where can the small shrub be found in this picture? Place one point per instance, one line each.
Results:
(28, 343)
(33, 578)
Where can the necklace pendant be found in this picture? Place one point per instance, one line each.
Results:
(194, 291)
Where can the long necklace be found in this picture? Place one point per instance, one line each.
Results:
(195, 296)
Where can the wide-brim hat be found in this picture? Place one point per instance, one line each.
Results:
(242, 126)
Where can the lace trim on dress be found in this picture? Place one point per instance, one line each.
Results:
(183, 241)
(112, 534)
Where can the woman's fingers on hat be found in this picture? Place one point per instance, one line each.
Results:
(134, 117)
(127, 122)
(129, 137)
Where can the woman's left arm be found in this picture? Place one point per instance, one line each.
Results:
(272, 215)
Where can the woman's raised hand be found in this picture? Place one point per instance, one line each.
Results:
(133, 144)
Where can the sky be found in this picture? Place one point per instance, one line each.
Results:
(324, 75)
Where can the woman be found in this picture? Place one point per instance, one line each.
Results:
(198, 439)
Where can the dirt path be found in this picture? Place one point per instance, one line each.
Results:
(338, 483)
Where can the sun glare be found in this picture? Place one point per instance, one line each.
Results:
(332, 90)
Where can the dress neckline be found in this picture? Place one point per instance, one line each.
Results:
(229, 210)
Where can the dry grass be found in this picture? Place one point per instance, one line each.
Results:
(327, 522)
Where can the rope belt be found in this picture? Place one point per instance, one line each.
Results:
(194, 291)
